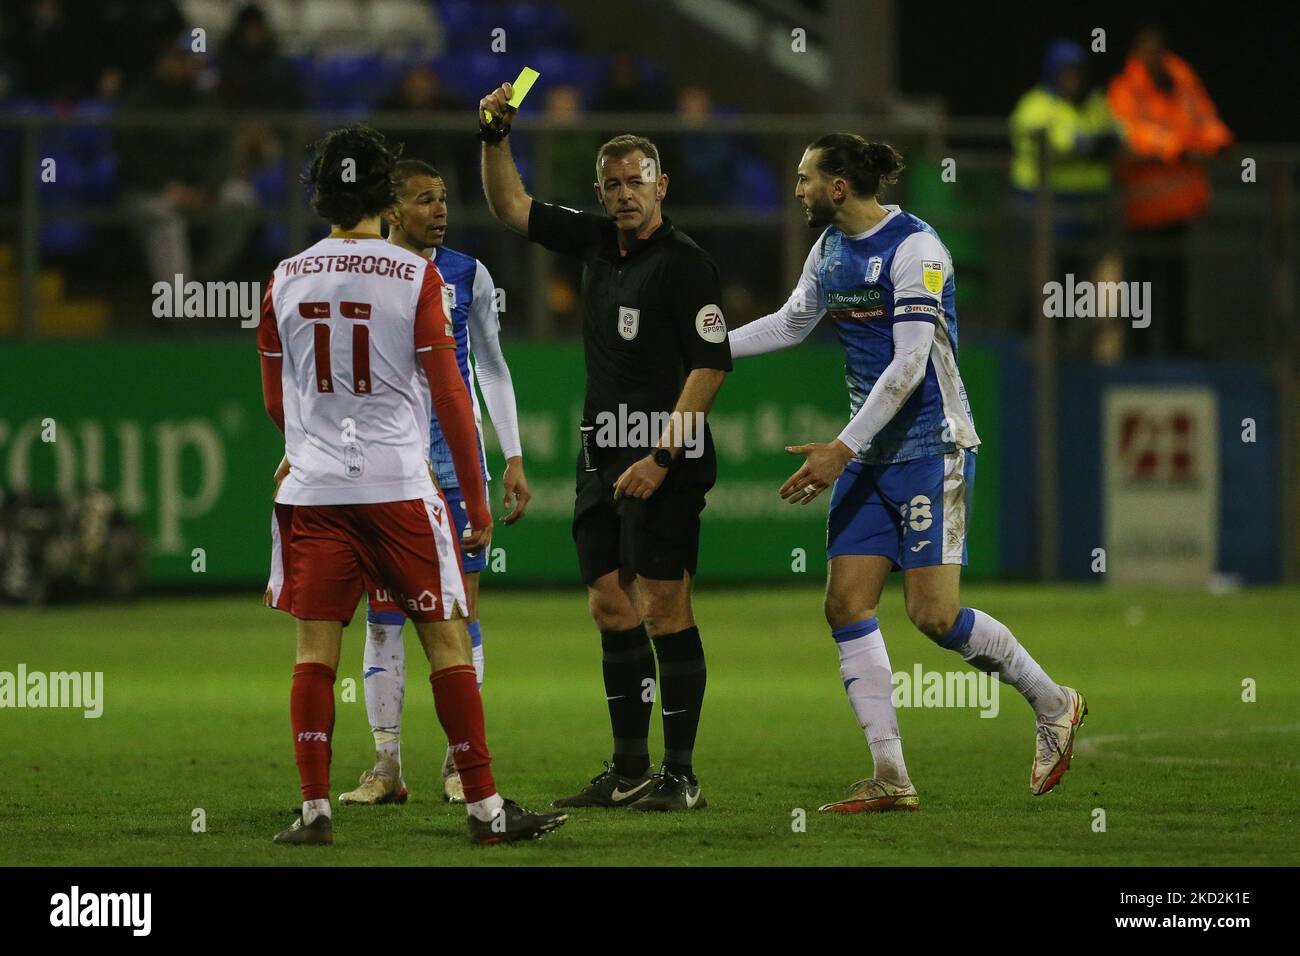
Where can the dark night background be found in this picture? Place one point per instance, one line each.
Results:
(979, 58)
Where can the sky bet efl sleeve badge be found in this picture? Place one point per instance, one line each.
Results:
(710, 325)
(449, 304)
(932, 276)
(629, 321)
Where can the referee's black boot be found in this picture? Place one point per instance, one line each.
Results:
(609, 789)
(511, 823)
(672, 792)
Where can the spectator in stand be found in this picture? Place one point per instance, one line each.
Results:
(173, 176)
(570, 171)
(1172, 128)
(701, 159)
(253, 73)
(419, 90)
(64, 50)
(626, 89)
(1081, 139)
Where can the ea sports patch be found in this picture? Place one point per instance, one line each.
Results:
(629, 322)
(932, 276)
(710, 324)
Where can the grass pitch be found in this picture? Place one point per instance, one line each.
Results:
(196, 717)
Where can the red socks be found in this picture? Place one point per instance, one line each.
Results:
(311, 712)
(455, 697)
(460, 711)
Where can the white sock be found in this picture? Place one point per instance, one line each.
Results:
(311, 809)
(992, 648)
(384, 679)
(476, 649)
(486, 809)
(868, 682)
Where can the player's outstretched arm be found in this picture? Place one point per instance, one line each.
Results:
(790, 324)
(502, 186)
(825, 462)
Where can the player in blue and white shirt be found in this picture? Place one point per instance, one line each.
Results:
(419, 222)
(903, 469)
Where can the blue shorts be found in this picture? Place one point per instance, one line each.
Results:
(460, 517)
(914, 512)
(388, 614)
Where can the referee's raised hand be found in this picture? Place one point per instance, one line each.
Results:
(495, 103)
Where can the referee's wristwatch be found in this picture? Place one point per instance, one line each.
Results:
(663, 457)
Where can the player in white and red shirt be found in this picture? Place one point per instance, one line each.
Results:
(355, 341)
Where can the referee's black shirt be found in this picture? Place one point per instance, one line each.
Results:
(648, 318)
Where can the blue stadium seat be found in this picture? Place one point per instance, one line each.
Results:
(348, 80)
(470, 74)
(759, 185)
(561, 66)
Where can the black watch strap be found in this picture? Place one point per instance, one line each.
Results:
(492, 133)
(663, 457)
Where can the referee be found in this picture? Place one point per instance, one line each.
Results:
(655, 343)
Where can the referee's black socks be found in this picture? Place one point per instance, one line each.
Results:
(629, 667)
(681, 695)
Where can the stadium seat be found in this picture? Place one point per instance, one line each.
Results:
(470, 74)
(214, 16)
(333, 24)
(345, 80)
(561, 66)
(405, 25)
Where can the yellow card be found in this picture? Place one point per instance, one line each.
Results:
(527, 77)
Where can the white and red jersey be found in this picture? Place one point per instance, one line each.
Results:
(348, 316)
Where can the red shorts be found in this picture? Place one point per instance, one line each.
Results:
(323, 557)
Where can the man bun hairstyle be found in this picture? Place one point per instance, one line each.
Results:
(867, 166)
(343, 192)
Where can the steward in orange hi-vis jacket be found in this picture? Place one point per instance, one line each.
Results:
(1170, 124)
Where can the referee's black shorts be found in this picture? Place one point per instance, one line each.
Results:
(657, 537)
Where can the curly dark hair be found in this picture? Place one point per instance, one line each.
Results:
(864, 164)
(351, 175)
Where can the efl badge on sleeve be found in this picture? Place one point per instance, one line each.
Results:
(629, 322)
(932, 276)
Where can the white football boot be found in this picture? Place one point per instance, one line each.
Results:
(1054, 743)
(453, 791)
(875, 796)
(383, 784)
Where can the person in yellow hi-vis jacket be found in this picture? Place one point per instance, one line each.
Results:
(1082, 136)
(1081, 132)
